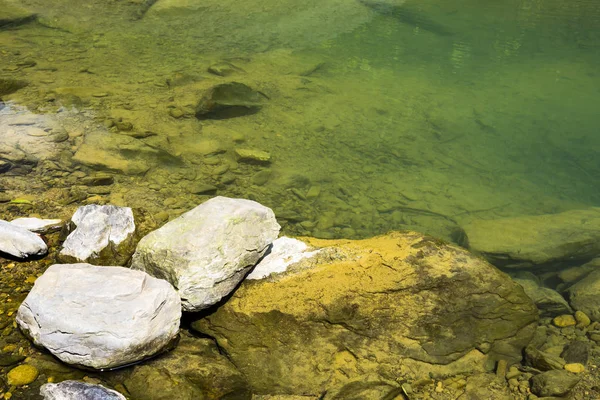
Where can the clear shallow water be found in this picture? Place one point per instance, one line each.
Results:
(399, 114)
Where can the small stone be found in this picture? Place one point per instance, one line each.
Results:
(99, 179)
(22, 375)
(582, 319)
(575, 368)
(202, 188)
(501, 368)
(253, 156)
(224, 68)
(513, 372)
(100, 94)
(565, 320)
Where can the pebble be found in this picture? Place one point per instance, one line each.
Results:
(563, 321)
(22, 375)
(575, 368)
(582, 319)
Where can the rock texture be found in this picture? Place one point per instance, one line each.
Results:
(193, 370)
(537, 240)
(103, 235)
(20, 242)
(398, 306)
(229, 100)
(13, 14)
(100, 317)
(75, 390)
(207, 251)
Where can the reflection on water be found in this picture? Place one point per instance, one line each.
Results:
(381, 114)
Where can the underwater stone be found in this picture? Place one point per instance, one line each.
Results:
(250, 156)
(207, 251)
(100, 317)
(75, 390)
(19, 242)
(229, 100)
(38, 225)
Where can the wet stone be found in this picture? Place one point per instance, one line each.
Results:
(78, 390)
(98, 180)
(224, 68)
(6, 360)
(202, 188)
(229, 100)
(251, 156)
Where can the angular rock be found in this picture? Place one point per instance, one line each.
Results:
(284, 252)
(401, 305)
(193, 370)
(553, 383)
(537, 241)
(38, 225)
(19, 242)
(542, 360)
(548, 301)
(230, 100)
(75, 390)
(585, 295)
(207, 251)
(103, 235)
(100, 317)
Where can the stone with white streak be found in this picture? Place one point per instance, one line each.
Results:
(104, 235)
(207, 251)
(38, 225)
(284, 252)
(19, 242)
(100, 317)
(75, 390)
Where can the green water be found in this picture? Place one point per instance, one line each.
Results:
(382, 116)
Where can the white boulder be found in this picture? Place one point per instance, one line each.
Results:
(38, 225)
(207, 251)
(19, 242)
(75, 390)
(100, 317)
(104, 235)
(284, 252)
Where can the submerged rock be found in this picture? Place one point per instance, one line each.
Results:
(13, 15)
(103, 235)
(553, 383)
(230, 100)
(401, 305)
(585, 295)
(19, 242)
(100, 317)
(537, 241)
(75, 390)
(207, 251)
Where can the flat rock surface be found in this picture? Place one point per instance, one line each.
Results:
(103, 235)
(400, 305)
(283, 252)
(19, 242)
(207, 251)
(100, 317)
(537, 240)
(75, 390)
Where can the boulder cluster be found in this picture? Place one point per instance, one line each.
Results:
(328, 318)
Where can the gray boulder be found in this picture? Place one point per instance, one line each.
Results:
(75, 390)
(100, 317)
(537, 241)
(104, 235)
(19, 242)
(207, 251)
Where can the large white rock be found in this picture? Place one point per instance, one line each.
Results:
(100, 317)
(207, 251)
(75, 390)
(19, 242)
(103, 235)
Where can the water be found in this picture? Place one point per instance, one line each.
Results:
(390, 115)
(402, 115)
